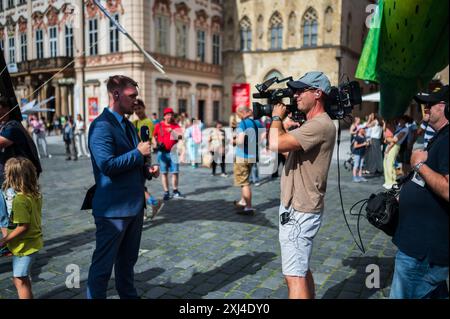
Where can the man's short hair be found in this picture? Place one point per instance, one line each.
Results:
(119, 82)
(139, 102)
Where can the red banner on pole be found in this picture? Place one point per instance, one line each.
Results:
(241, 95)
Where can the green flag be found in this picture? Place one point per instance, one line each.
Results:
(406, 46)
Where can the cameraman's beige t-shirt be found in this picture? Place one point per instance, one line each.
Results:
(304, 177)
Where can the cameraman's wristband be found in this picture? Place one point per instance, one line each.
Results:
(277, 118)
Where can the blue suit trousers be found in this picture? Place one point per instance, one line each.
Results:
(117, 244)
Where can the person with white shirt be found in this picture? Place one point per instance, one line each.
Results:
(374, 157)
(400, 134)
(80, 137)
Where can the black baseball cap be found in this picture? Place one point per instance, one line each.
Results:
(438, 95)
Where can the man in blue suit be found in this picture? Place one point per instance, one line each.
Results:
(118, 161)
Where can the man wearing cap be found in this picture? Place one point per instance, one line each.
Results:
(421, 263)
(304, 178)
(166, 134)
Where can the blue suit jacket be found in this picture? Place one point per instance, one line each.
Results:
(118, 168)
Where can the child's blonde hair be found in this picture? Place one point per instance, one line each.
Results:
(20, 175)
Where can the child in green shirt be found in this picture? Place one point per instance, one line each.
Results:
(25, 240)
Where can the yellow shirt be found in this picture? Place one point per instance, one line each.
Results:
(145, 122)
(27, 210)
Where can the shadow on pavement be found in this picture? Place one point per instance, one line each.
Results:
(355, 287)
(181, 210)
(198, 286)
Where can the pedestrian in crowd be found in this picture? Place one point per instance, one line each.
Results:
(118, 161)
(48, 126)
(247, 140)
(254, 175)
(39, 135)
(360, 145)
(374, 155)
(392, 150)
(426, 130)
(354, 130)
(57, 126)
(80, 137)
(166, 135)
(184, 123)
(69, 139)
(409, 143)
(193, 136)
(143, 121)
(304, 178)
(15, 140)
(24, 238)
(422, 235)
(155, 119)
(217, 147)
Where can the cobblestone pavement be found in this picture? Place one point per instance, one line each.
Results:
(199, 247)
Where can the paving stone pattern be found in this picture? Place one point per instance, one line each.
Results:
(198, 247)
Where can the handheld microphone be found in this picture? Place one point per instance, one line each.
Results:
(145, 133)
(145, 137)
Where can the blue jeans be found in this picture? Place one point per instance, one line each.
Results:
(168, 162)
(418, 279)
(22, 265)
(358, 161)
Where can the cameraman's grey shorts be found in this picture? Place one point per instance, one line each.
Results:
(296, 240)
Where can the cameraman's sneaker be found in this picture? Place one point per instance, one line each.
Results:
(177, 194)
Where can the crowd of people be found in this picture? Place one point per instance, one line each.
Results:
(127, 149)
(380, 147)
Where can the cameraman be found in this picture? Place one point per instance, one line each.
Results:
(421, 263)
(304, 178)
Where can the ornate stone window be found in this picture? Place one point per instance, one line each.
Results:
(39, 44)
(310, 28)
(276, 31)
(69, 39)
(53, 41)
(216, 28)
(201, 24)
(114, 35)
(182, 22)
(93, 36)
(246, 34)
(292, 29)
(161, 16)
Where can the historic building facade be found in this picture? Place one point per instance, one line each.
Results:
(184, 36)
(68, 49)
(291, 37)
(76, 46)
(38, 42)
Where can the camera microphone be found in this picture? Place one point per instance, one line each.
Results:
(145, 133)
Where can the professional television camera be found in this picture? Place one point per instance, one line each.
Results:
(274, 97)
(339, 103)
(341, 99)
